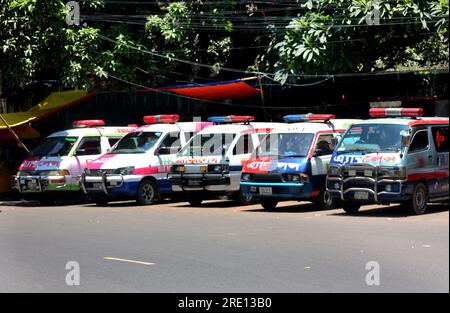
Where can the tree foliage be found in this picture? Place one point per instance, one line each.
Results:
(338, 36)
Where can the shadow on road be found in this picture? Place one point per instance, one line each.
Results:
(301, 207)
(394, 211)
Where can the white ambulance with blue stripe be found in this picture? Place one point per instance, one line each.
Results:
(396, 157)
(210, 164)
(291, 163)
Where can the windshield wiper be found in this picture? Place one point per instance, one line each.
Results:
(293, 156)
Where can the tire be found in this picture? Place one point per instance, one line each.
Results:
(196, 202)
(147, 193)
(47, 202)
(325, 201)
(419, 200)
(269, 204)
(351, 208)
(244, 200)
(101, 201)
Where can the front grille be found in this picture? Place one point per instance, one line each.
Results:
(101, 172)
(358, 184)
(276, 178)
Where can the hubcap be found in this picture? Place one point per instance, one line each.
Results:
(420, 199)
(327, 198)
(148, 192)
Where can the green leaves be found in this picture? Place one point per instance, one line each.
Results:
(334, 36)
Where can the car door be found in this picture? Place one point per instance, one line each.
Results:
(420, 161)
(441, 161)
(322, 155)
(88, 149)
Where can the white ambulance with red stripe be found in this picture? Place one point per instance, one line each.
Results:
(398, 156)
(137, 166)
(210, 165)
(55, 166)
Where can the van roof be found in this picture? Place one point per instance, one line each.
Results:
(239, 128)
(92, 131)
(313, 127)
(182, 126)
(408, 121)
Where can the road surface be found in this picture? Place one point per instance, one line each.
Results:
(172, 247)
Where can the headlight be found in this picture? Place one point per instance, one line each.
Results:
(394, 172)
(125, 170)
(178, 169)
(218, 168)
(297, 178)
(246, 177)
(56, 173)
(334, 171)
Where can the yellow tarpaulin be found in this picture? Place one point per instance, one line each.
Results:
(55, 102)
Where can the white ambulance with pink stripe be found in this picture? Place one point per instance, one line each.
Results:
(397, 156)
(137, 166)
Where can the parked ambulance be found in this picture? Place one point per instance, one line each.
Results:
(291, 163)
(210, 164)
(396, 157)
(137, 166)
(55, 166)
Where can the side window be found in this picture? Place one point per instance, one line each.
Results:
(325, 145)
(89, 146)
(171, 144)
(440, 138)
(188, 135)
(113, 141)
(244, 145)
(419, 142)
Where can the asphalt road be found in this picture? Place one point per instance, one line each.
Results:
(172, 247)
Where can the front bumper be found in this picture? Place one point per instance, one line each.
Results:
(36, 184)
(202, 182)
(110, 184)
(294, 191)
(375, 189)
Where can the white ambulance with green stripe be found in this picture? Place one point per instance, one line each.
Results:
(55, 166)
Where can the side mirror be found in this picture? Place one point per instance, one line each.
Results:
(81, 152)
(405, 140)
(166, 150)
(318, 152)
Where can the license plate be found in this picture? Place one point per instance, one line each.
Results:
(33, 181)
(266, 191)
(361, 195)
(351, 173)
(194, 183)
(97, 185)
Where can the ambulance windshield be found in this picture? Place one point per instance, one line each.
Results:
(208, 144)
(54, 146)
(138, 142)
(368, 138)
(285, 145)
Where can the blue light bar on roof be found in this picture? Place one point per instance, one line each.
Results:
(231, 119)
(294, 118)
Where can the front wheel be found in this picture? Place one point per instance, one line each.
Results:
(325, 201)
(147, 193)
(196, 202)
(419, 200)
(243, 199)
(351, 208)
(269, 204)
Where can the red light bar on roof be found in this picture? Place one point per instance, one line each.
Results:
(88, 123)
(396, 112)
(166, 119)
